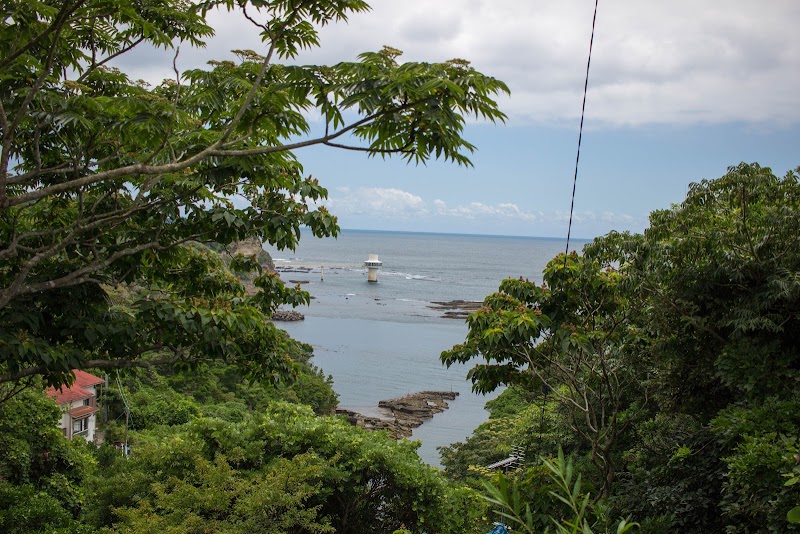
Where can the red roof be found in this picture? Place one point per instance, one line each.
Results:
(84, 379)
(76, 391)
(82, 410)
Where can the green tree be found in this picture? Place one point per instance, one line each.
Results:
(567, 506)
(24, 510)
(696, 320)
(517, 418)
(214, 497)
(717, 279)
(283, 469)
(714, 285)
(102, 178)
(42, 473)
(569, 339)
(716, 282)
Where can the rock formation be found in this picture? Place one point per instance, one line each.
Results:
(287, 315)
(404, 414)
(252, 248)
(456, 309)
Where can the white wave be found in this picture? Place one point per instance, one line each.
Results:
(409, 276)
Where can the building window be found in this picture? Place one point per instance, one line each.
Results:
(80, 427)
(87, 401)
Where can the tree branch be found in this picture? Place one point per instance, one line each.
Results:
(210, 151)
(105, 60)
(66, 11)
(401, 150)
(97, 364)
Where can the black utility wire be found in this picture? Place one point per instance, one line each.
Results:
(580, 132)
(572, 203)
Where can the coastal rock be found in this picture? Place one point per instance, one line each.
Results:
(249, 247)
(456, 314)
(404, 413)
(456, 309)
(287, 315)
(265, 260)
(294, 269)
(252, 248)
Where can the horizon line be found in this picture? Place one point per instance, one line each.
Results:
(418, 232)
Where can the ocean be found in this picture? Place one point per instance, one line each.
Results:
(383, 340)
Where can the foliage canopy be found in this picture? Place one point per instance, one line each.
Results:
(671, 355)
(104, 180)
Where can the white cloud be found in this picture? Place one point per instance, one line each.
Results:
(677, 62)
(475, 210)
(653, 62)
(390, 204)
(375, 201)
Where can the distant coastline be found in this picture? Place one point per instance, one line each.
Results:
(456, 234)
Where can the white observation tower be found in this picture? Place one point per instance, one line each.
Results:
(372, 264)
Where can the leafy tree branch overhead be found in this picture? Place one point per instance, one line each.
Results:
(105, 180)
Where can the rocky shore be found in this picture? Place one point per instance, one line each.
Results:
(294, 269)
(287, 315)
(456, 309)
(404, 414)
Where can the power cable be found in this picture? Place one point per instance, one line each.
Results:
(574, 187)
(580, 132)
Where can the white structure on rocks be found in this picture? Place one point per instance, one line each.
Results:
(372, 264)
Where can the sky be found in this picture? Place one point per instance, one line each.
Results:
(678, 92)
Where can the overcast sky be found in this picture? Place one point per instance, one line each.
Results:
(678, 92)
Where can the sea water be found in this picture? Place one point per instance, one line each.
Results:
(383, 340)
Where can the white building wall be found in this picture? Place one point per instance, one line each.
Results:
(66, 422)
(92, 422)
(66, 418)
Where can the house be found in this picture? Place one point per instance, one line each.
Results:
(78, 404)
